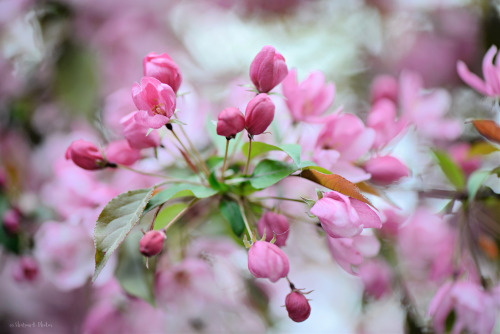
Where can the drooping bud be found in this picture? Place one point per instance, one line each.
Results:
(230, 122)
(259, 114)
(268, 69)
(138, 135)
(11, 220)
(152, 243)
(274, 225)
(120, 152)
(163, 68)
(297, 306)
(26, 269)
(85, 155)
(266, 260)
(385, 170)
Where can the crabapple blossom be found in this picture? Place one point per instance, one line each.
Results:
(268, 69)
(376, 277)
(310, 99)
(384, 87)
(297, 306)
(163, 68)
(349, 253)
(274, 225)
(26, 269)
(152, 243)
(137, 134)
(85, 155)
(155, 100)
(266, 260)
(230, 122)
(382, 118)
(385, 170)
(490, 86)
(11, 220)
(259, 114)
(120, 152)
(460, 154)
(342, 216)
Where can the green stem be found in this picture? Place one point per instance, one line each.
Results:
(249, 151)
(224, 163)
(187, 152)
(242, 210)
(196, 153)
(142, 173)
(279, 198)
(180, 214)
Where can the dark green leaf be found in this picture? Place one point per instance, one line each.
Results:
(230, 210)
(116, 221)
(216, 185)
(268, 172)
(450, 169)
(166, 194)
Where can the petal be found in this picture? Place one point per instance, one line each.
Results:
(151, 121)
(471, 79)
(367, 216)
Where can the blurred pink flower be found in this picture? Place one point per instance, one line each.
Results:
(230, 122)
(385, 170)
(11, 220)
(460, 154)
(85, 155)
(340, 143)
(384, 87)
(490, 86)
(342, 216)
(349, 253)
(310, 99)
(259, 114)
(274, 225)
(120, 152)
(266, 260)
(137, 133)
(155, 101)
(376, 276)
(475, 310)
(382, 118)
(163, 68)
(268, 69)
(25, 269)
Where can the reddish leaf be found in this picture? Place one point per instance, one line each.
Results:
(489, 129)
(335, 182)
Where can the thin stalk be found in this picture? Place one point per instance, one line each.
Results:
(193, 148)
(180, 214)
(142, 173)
(249, 151)
(151, 226)
(279, 198)
(224, 163)
(242, 210)
(187, 152)
(470, 244)
(235, 146)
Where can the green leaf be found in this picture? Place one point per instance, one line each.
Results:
(293, 150)
(244, 188)
(170, 192)
(167, 214)
(230, 210)
(115, 222)
(216, 185)
(307, 163)
(268, 172)
(450, 169)
(131, 272)
(475, 181)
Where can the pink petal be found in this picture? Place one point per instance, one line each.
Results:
(153, 122)
(367, 216)
(471, 79)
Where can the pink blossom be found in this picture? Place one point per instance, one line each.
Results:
(137, 133)
(155, 100)
(460, 154)
(85, 155)
(259, 114)
(474, 308)
(349, 253)
(490, 86)
(382, 118)
(120, 152)
(11, 220)
(342, 216)
(266, 260)
(384, 87)
(376, 277)
(152, 243)
(26, 269)
(267, 69)
(385, 170)
(163, 68)
(274, 225)
(310, 99)
(297, 306)
(391, 223)
(230, 122)
(341, 142)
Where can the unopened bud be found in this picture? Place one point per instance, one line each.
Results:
(274, 225)
(297, 306)
(26, 269)
(85, 155)
(266, 260)
(259, 114)
(268, 69)
(230, 122)
(11, 220)
(163, 68)
(152, 243)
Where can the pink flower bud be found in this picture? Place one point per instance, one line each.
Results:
(26, 269)
(11, 220)
(266, 260)
(120, 152)
(155, 100)
(384, 87)
(137, 134)
(274, 225)
(230, 122)
(163, 68)
(152, 243)
(297, 306)
(268, 69)
(386, 169)
(85, 155)
(259, 114)
(376, 276)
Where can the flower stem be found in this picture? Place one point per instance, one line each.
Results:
(249, 151)
(196, 153)
(180, 214)
(224, 163)
(187, 152)
(242, 210)
(279, 198)
(142, 173)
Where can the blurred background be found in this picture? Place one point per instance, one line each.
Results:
(66, 70)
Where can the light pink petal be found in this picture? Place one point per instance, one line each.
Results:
(471, 79)
(367, 245)
(152, 121)
(367, 216)
(359, 146)
(489, 71)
